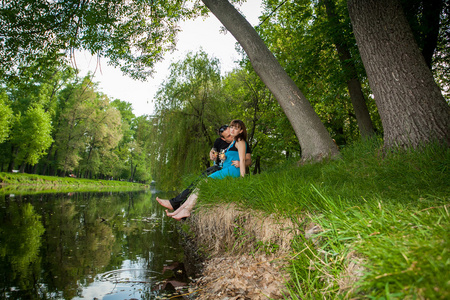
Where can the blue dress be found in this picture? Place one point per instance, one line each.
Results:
(228, 169)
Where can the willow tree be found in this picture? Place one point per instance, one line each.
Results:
(189, 109)
(88, 129)
(103, 132)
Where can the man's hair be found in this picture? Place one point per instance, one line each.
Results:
(222, 129)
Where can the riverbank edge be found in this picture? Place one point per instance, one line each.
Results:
(31, 183)
(33, 179)
(245, 254)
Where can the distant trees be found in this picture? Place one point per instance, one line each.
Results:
(61, 124)
(314, 43)
(340, 36)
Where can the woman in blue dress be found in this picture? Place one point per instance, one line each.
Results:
(235, 152)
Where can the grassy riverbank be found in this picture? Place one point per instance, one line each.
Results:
(30, 183)
(368, 225)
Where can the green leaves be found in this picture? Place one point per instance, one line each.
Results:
(32, 135)
(132, 34)
(303, 38)
(6, 116)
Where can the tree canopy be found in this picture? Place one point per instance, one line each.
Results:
(134, 35)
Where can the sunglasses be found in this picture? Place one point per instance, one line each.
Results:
(223, 128)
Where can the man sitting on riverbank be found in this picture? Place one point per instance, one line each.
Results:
(221, 143)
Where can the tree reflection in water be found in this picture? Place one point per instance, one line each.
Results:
(88, 245)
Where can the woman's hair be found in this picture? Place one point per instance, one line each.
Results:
(241, 125)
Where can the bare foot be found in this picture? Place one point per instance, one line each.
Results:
(170, 214)
(182, 214)
(165, 203)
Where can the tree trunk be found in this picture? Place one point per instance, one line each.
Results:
(411, 106)
(35, 169)
(353, 84)
(53, 167)
(131, 169)
(314, 139)
(257, 168)
(11, 164)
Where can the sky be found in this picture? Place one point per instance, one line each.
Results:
(195, 35)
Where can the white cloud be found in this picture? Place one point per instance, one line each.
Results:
(195, 35)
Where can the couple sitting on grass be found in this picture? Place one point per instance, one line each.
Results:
(233, 139)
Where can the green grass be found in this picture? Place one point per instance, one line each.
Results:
(389, 212)
(29, 183)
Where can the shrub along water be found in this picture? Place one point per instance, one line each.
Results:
(381, 221)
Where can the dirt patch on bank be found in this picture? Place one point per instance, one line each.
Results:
(243, 253)
(243, 277)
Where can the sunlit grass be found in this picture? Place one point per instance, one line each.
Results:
(386, 215)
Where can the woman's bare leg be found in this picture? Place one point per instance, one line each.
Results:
(165, 203)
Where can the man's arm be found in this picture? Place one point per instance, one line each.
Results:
(248, 159)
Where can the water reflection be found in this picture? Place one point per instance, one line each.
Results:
(86, 246)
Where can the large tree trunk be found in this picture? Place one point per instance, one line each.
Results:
(411, 106)
(314, 139)
(353, 84)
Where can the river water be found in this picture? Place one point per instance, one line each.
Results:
(89, 246)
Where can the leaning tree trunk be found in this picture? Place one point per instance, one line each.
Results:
(353, 84)
(411, 106)
(314, 139)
